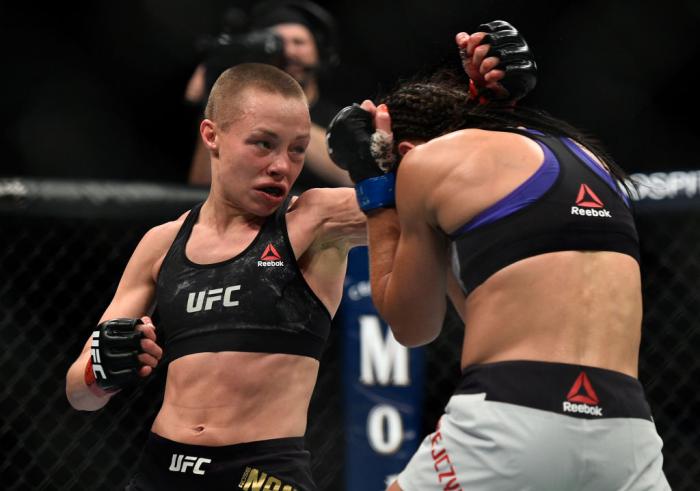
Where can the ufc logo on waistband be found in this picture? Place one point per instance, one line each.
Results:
(180, 463)
(196, 300)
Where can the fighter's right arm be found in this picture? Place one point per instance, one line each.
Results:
(133, 299)
(407, 260)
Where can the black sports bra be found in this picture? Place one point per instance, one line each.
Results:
(257, 301)
(569, 203)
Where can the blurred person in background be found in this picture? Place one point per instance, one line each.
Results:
(299, 37)
(522, 220)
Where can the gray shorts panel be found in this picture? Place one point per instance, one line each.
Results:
(488, 445)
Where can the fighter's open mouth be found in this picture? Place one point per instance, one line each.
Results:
(277, 192)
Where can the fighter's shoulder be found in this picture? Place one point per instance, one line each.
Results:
(157, 240)
(467, 140)
(322, 202)
(471, 144)
(471, 139)
(327, 217)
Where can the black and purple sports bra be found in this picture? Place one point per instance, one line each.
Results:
(569, 203)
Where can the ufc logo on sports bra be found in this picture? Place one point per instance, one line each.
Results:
(181, 463)
(207, 298)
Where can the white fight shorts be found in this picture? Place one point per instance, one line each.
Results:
(534, 426)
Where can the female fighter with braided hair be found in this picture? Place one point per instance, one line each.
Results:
(544, 256)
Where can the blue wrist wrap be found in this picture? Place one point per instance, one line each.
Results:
(376, 192)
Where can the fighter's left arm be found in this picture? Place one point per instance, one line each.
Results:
(323, 225)
(333, 218)
(407, 261)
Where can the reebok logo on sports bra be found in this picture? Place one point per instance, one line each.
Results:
(587, 202)
(570, 204)
(270, 257)
(237, 305)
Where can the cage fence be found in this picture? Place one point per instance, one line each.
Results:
(66, 244)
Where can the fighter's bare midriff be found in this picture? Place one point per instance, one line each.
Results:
(568, 307)
(207, 395)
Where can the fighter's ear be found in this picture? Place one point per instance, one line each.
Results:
(208, 131)
(404, 147)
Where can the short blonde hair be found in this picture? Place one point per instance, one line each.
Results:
(225, 96)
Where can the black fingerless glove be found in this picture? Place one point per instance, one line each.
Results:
(516, 60)
(367, 156)
(114, 353)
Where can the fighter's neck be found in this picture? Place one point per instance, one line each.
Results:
(222, 215)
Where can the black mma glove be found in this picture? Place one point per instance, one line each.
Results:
(366, 154)
(113, 360)
(516, 60)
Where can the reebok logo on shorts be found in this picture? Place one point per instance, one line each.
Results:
(270, 257)
(256, 480)
(582, 398)
(589, 204)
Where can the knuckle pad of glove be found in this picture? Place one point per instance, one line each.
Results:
(495, 25)
(121, 362)
(519, 83)
(348, 137)
(120, 345)
(510, 54)
(526, 67)
(515, 57)
(502, 38)
(505, 44)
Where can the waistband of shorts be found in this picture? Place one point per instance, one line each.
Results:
(573, 390)
(161, 445)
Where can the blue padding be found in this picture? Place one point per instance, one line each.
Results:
(376, 192)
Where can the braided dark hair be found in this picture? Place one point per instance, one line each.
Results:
(424, 108)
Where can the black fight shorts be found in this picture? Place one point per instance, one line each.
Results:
(281, 465)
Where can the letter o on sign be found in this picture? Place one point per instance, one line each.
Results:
(385, 429)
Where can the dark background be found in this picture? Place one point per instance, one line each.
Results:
(95, 89)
